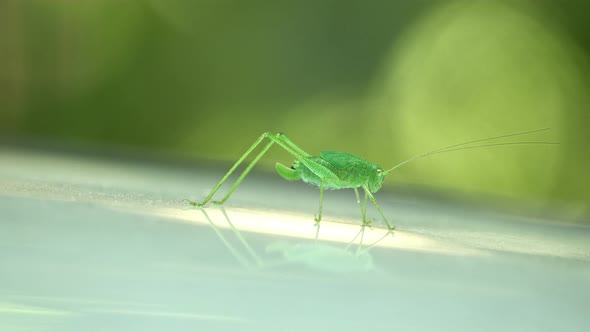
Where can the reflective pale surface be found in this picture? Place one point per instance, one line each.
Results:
(90, 245)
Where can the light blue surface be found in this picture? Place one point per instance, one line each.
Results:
(70, 260)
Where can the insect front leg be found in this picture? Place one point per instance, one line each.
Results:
(372, 198)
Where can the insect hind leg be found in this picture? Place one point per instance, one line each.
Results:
(279, 139)
(292, 145)
(235, 166)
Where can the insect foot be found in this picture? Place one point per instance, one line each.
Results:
(368, 223)
(193, 203)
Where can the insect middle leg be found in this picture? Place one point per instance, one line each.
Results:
(318, 218)
(363, 207)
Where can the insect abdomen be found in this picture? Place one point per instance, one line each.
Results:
(331, 183)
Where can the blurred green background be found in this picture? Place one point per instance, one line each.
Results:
(382, 79)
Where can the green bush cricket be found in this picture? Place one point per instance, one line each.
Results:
(338, 170)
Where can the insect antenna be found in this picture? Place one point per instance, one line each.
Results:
(463, 146)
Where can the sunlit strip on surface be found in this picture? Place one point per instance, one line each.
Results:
(301, 226)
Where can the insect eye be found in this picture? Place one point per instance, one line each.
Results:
(379, 172)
